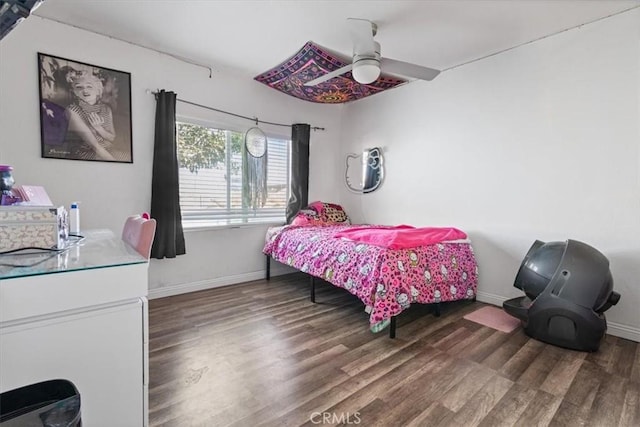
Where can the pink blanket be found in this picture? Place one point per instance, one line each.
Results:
(401, 236)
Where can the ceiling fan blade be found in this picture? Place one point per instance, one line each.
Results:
(394, 66)
(361, 32)
(329, 76)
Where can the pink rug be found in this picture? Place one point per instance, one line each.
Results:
(495, 318)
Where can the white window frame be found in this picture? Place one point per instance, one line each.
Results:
(233, 218)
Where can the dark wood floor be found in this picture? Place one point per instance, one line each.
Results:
(261, 354)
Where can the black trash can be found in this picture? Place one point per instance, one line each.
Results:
(54, 403)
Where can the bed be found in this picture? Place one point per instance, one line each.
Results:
(387, 280)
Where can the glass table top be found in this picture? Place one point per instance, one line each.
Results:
(98, 249)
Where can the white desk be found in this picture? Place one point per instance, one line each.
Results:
(80, 315)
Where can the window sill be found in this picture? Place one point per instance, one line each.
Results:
(193, 226)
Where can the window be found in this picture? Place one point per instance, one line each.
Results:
(210, 162)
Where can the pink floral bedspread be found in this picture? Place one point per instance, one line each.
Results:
(386, 280)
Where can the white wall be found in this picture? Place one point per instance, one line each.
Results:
(540, 142)
(110, 192)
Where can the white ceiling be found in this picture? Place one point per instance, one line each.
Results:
(250, 37)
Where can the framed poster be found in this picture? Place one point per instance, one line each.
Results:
(85, 111)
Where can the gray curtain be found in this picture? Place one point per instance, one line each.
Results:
(299, 197)
(165, 196)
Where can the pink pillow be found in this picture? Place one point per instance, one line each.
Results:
(301, 220)
(333, 214)
(321, 213)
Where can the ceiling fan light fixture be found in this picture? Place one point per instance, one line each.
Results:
(366, 71)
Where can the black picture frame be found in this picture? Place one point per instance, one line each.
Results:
(85, 111)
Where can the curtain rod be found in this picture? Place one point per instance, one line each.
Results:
(253, 119)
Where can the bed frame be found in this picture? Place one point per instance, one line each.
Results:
(312, 296)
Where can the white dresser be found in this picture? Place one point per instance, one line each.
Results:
(80, 315)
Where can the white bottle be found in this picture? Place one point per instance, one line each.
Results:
(74, 218)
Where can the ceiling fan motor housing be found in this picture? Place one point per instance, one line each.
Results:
(366, 65)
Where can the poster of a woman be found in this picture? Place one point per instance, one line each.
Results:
(85, 111)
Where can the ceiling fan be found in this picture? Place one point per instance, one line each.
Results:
(367, 62)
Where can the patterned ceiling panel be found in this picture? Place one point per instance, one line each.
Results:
(313, 61)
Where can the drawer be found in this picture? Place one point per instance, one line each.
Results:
(30, 296)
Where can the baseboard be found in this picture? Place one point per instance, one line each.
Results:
(183, 288)
(623, 331)
(615, 329)
(201, 285)
(492, 299)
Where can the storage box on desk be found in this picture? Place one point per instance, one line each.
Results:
(31, 226)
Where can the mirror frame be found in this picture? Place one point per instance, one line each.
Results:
(372, 163)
